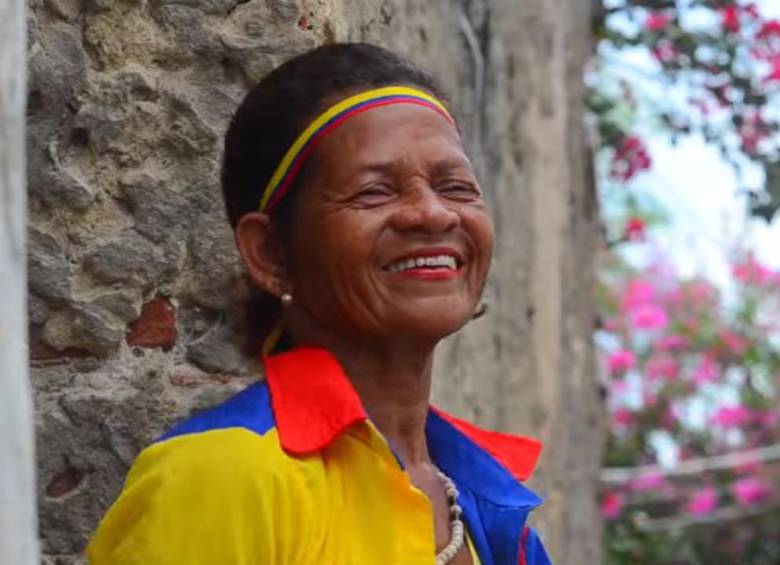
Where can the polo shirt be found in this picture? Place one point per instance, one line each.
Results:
(292, 471)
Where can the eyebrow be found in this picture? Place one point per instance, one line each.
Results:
(448, 165)
(439, 168)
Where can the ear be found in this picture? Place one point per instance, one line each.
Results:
(262, 252)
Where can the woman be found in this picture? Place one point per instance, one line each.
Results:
(358, 218)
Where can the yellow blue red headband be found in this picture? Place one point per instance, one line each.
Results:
(292, 162)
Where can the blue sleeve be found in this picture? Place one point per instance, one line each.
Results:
(533, 550)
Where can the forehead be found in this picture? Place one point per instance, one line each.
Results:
(396, 133)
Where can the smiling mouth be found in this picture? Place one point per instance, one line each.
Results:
(434, 262)
(427, 265)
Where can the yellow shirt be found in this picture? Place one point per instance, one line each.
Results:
(291, 471)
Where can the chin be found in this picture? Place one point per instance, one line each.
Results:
(433, 324)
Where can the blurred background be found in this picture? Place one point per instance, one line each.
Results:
(629, 150)
(684, 113)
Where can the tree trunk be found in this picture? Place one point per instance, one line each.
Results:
(18, 531)
(135, 290)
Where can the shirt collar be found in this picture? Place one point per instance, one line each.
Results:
(314, 403)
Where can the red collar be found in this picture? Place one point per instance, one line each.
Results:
(314, 403)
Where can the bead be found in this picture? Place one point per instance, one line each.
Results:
(457, 529)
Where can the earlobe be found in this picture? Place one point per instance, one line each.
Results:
(262, 252)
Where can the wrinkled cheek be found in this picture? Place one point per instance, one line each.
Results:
(343, 303)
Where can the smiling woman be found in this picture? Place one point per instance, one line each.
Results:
(362, 226)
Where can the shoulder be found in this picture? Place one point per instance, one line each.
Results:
(221, 475)
(250, 409)
(234, 441)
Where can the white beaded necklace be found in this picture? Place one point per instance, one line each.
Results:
(456, 525)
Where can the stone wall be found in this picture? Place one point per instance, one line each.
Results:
(133, 277)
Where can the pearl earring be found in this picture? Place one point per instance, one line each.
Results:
(287, 299)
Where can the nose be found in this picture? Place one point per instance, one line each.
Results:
(424, 209)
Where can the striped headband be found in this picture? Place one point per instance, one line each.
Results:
(293, 161)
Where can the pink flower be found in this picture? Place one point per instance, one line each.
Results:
(750, 271)
(767, 418)
(635, 229)
(732, 416)
(622, 418)
(703, 106)
(751, 10)
(734, 342)
(671, 342)
(662, 367)
(630, 158)
(612, 505)
(770, 29)
(664, 51)
(752, 131)
(751, 490)
(774, 72)
(653, 482)
(650, 317)
(657, 21)
(621, 361)
(703, 501)
(706, 371)
(619, 387)
(700, 291)
(638, 292)
(729, 18)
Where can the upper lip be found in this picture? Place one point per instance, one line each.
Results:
(429, 252)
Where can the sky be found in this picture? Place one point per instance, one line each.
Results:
(699, 192)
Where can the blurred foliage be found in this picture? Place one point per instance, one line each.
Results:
(693, 374)
(692, 369)
(716, 72)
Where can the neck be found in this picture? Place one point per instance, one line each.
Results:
(393, 382)
(394, 385)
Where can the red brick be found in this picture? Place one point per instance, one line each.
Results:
(64, 482)
(156, 327)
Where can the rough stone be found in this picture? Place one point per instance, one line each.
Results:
(84, 327)
(129, 259)
(159, 214)
(213, 261)
(124, 303)
(48, 268)
(37, 309)
(220, 349)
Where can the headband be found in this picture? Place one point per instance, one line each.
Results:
(304, 145)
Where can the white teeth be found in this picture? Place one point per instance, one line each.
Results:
(446, 261)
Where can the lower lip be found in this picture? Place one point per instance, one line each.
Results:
(431, 274)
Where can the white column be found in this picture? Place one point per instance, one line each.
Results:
(18, 527)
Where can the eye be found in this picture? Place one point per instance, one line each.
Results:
(373, 195)
(461, 191)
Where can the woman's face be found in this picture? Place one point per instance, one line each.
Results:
(391, 236)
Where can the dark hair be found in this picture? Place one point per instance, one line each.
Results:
(276, 111)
